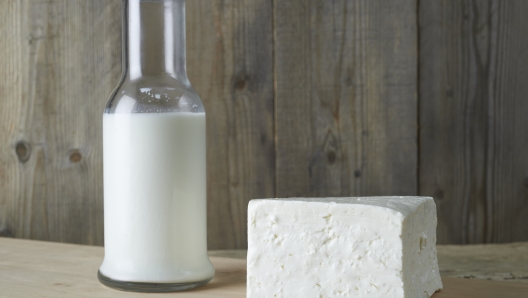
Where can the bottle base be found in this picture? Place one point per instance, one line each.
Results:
(147, 287)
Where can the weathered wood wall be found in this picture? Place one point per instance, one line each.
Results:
(304, 98)
(345, 113)
(473, 118)
(58, 62)
(230, 52)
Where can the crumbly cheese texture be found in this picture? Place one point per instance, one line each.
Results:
(342, 247)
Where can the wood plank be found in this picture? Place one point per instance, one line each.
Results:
(470, 288)
(62, 63)
(346, 79)
(501, 262)
(229, 58)
(45, 269)
(59, 62)
(56, 270)
(473, 124)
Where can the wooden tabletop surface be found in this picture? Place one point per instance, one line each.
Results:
(45, 269)
(500, 262)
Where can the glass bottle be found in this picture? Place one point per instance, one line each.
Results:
(154, 159)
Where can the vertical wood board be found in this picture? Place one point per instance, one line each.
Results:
(229, 60)
(60, 59)
(346, 106)
(473, 124)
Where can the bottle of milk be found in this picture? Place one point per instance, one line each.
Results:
(154, 159)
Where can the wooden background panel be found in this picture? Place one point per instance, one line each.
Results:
(63, 60)
(10, 87)
(346, 79)
(60, 60)
(474, 129)
(229, 59)
(304, 98)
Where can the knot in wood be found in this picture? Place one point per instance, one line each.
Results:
(241, 83)
(75, 156)
(331, 156)
(438, 194)
(23, 151)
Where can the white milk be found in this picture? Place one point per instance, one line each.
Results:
(155, 198)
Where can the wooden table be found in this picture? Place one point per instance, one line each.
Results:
(44, 269)
(502, 262)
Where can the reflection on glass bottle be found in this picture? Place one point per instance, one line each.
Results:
(154, 159)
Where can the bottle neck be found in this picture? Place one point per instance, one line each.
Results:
(154, 38)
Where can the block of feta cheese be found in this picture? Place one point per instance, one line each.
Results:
(342, 247)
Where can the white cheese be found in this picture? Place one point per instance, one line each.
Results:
(342, 247)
